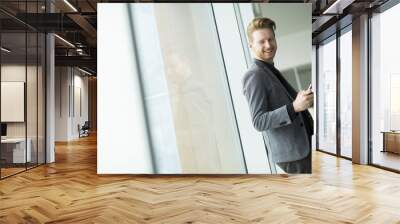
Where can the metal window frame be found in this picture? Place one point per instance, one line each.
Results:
(227, 81)
(387, 5)
(334, 37)
(379, 10)
(44, 75)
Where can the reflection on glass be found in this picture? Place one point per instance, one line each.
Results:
(345, 95)
(394, 101)
(385, 89)
(327, 97)
(31, 101)
(22, 92)
(185, 89)
(41, 99)
(14, 151)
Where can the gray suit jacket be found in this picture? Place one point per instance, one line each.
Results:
(267, 98)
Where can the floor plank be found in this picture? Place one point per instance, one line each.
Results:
(70, 191)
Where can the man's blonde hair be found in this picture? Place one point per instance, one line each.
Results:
(260, 23)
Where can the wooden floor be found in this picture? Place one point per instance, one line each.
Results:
(70, 191)
(10, 171)
(387, 159)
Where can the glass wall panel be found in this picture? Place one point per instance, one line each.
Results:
(22, 90)
(385, 89)
(186, 90)
(231, 41)
(326, 96)
(31, 100)
(41, 97)
(346, 94)
(14, 153)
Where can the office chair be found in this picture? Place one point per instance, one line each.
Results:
(84, 130)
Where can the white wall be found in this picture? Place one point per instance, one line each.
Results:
(67, 81)
(293, 33)
(15, 72)
(33, 126)
(80, 102)
(61, 104)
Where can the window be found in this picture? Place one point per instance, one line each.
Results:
(385, 89)
(185, 82)
(345, 93)
(326, 96)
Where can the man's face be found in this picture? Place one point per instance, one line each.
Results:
(263, 44)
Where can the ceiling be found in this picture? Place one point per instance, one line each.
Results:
(77, 25)
(332, 15)
(76, 22)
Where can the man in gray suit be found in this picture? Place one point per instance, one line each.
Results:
(277, 110)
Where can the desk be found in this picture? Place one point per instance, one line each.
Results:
(15, 148)
(391, 141)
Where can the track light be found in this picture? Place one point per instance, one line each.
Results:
(70, 5)
(84, 71)
(64, 40)
(5, 50)
(332, 7)
(337, 7)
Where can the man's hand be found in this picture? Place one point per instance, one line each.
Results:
(304, 100)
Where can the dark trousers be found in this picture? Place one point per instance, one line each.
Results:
(298, 166)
